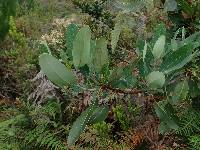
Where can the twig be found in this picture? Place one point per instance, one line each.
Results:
(125, 91)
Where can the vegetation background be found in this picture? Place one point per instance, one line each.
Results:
(99, 74)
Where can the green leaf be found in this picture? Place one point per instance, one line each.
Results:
(194, 38)
(174, 42)
(45, 48)
(170, 5)
(159, 30)
(180, 92)
(79, 126)
(56, 71)
(155, 79)
(71, 32)
(163, 128)
(63, 56)
(81, 47)
(159, 47)
(144, 51)
(99, 54)
(183, 33)
(166, 114)
(115, 74)
(115, 36)
(125, 82)
(122, 77)
(127, 79)
(144, 68)
(91, 115)
(144, 63)
(99, 114)
(177, 59)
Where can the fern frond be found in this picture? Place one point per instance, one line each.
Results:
(10, 131)
(190, 123)
(52, 108)
(42, 137)
(194, 142)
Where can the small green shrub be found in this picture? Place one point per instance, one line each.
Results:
(7, 9)
(121, 117)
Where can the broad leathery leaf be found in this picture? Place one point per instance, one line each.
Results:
(92, 53)
(159, 30)
(174, 45)
(56, 71)
(163, 112)
(64, 57)
(163, 128)
(144, 51)
(177, 59)
(159, 47)
(99, 114)
(115, 36)
(140, 43)
(182, 30)
(170, 5)
(191, 39)
(172, 113)
(125, 82)
(180, 92)
(79, 125)
(144, 68)
(115, 74)
(71, 32)
(81, 47)
(155, 80)
(122, 77)
(183, 33)
(127, 79)
(144, 64)
(99, 54)
(174, 42)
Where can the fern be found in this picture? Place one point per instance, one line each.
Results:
(10, 131)
(189, 127)
(52, 108)
(42, 135)
(43, 138)
(194, 142)
(190, 123)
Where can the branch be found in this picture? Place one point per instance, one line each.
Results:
(125, 91)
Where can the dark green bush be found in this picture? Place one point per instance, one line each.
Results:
(7, 9)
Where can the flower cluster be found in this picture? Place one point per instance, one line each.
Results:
(55, 39)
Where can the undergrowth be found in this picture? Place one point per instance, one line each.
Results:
(110, 75)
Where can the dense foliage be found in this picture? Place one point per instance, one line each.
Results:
(114, 75)
(7, 9)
